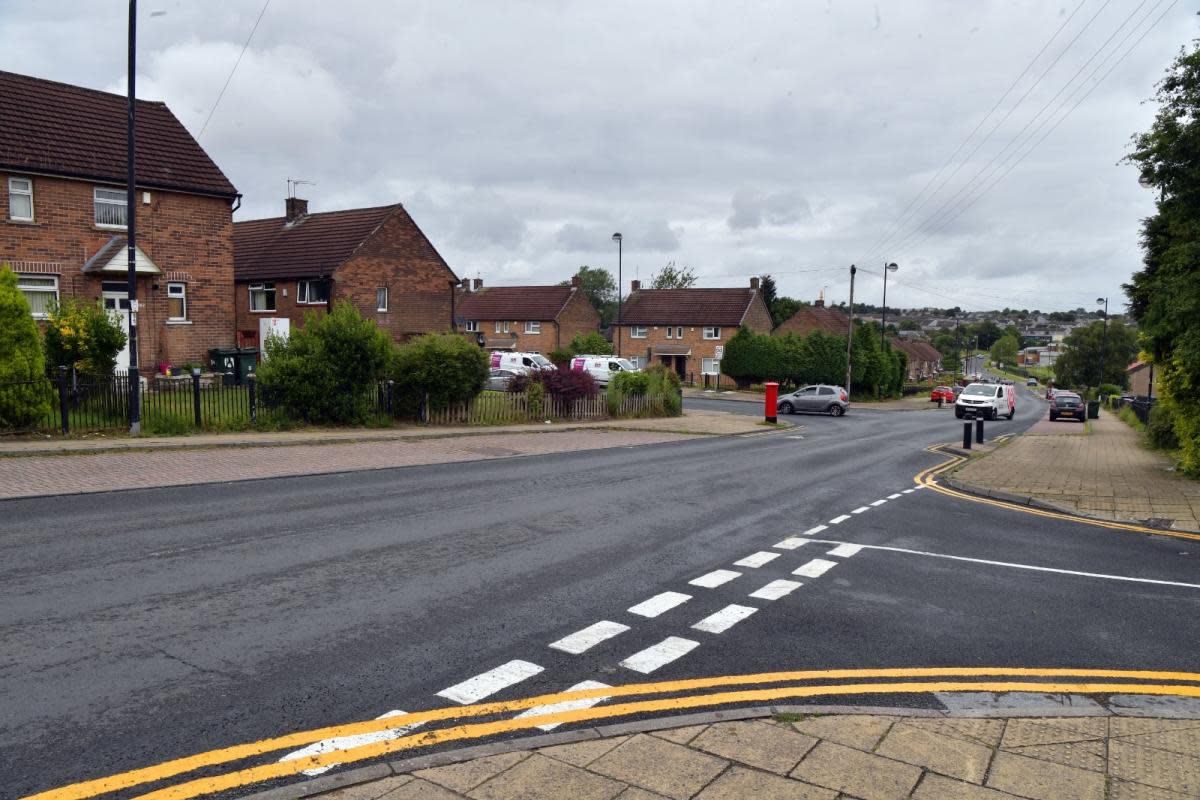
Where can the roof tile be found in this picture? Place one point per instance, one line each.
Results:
(687, 306)
(513, 302)
(315, 245)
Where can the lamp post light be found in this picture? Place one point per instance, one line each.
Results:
(616, 237)
(135, 383)
(1103, 340)
(883, 324)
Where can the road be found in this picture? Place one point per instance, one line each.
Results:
(147, 625)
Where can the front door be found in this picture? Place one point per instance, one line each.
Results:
(117, 305)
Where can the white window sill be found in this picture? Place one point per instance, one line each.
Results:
(179, 322)
(98, 226)
(262, 311)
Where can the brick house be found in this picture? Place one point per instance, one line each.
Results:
(817, 317)
(924, 360)
(529, 319)
(1143, 382)
(377, 258)
(686, 329)
(62, 189)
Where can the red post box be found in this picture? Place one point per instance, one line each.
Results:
(771, 400)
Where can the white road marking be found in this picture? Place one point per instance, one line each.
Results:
(839, 520)
(845, 550)
(1032, 567)
(566, 705)
(922, 486)
(893, 496)
(817, 529)
(348, 742)
(909, 491)
(776, 589)
(583, 640)
(815, 568)
(724, 619)
(472, 690)
(861, 509)
(756, 560)
(715, 578)
(659, 603)
(795, 437)
(655, 656)
(879, 502)
(791, 543)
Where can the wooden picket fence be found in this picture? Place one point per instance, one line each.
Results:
(493, 408)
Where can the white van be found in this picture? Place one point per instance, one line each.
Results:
(520, 362)
(987, 400)
(602, 368)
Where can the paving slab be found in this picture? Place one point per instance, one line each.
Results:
(946, 755)
(660, 766)
(861, 732)
(856, 773)
(767, 745)
(1044, 780)
(739, 783)
(542, 778)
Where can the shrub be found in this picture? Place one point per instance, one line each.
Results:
(328, 370)
(566, 385)
(591, 343)
(22, 405)
(535, 399)
(561, 357)
(631, 383)
(442, 367)
(1160, 430)
(657, 383)
(81, 335)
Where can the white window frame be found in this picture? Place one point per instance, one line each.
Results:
(502, 327)
(533, 326)
(710, 366)
(471, 326)
(15, 191)
(381, 298)
(712, 333)
(637, 332)
(305, 293)
(26, 288)
(262, 287)
(181, 293)
(679, 332)
(670, 331)
(110, 202)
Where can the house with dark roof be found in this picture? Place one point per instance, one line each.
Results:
(686, 329)
(924, 360)
(377, 258)
(529, 319)
(816, 317)
(63, 199)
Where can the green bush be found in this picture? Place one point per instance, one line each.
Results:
(657, 383)
(81, 335)
(442, 368)
(1160, 431)
(591, 343)
(631, 383)
(24, 394)
(328, 370)
(535, 399)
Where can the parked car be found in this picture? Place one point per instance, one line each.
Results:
(818, 398)
(526, 362)
(1068, 404)
(602, 368)
(943, 393)
(1031, 382)
(987, 400)
(499, 379)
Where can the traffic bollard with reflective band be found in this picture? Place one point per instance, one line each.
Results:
(979, 431)
(966, 436)
(770, 401)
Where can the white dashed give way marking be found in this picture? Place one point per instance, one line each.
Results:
(757, 559)
(893, 496)
(348, 742)
(475, 689)
(791, 543)
(589, 637)
(817, 529)
(657, 655)
(659, 603)
(776, 589)
(909, 491)
(567, 705)
(861, 509)
(715, 578)
(845, 550)
(879, 502)
(815, 568)
(839, 520)
(724, 619)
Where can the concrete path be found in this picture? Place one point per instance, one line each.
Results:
(1104, 473)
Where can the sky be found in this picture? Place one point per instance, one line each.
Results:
(977, 144)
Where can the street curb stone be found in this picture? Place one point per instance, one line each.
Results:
(684, 720)
(326, 783)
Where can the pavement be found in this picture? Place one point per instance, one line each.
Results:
(891, 755)
(1100, 470)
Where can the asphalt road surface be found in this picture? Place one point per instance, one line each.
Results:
(147, 625)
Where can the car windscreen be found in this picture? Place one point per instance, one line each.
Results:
(1063, 397)
(626, 365)
(980, 390)
(541, 361)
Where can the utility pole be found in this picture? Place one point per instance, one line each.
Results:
(1103, 341)
(135, 381)
(850, 332)
(616, 237)
(883, 323)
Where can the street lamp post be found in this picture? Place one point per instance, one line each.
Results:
(850, 333)
(1103, 340)
(883, 324)
(616, 237)
(135, 383)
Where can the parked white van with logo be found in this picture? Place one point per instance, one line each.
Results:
(520, 362)
(602, 368)
(986, 400)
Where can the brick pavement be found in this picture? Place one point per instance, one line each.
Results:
(1103, 473)
(868, 756)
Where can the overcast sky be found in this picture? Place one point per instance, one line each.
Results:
(735, 138)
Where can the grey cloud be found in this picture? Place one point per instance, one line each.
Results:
(753, 209)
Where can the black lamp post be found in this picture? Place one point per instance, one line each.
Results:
(1103, 340)
(135, 383)
(883, 324)
(616, 237)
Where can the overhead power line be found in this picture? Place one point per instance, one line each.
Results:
(221, 94)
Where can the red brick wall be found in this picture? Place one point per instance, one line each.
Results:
(285, 306)
(179, 232)
(577, 316)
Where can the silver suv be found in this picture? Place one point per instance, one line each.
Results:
(818, 398)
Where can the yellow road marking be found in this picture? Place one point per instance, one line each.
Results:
(168, 769)
(202, 786)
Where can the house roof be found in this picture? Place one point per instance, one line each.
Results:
(921, 351)
(59, 129)
(517, 303)
(313, 245)
(687, 306)
(1136, 365)
(816, 317)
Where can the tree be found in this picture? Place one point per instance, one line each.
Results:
(442, 367)
(909, 325)
(24, 398)
(770, 293)
(591, 343)
(600, 289)
(1086, 347)
(987, 333)
(673, 277)
(1004, 351)
(750, 357)
(81, 335)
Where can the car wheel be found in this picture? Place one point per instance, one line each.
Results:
(836, 410)
(1053, 416)
(958, 412)
(786, 408)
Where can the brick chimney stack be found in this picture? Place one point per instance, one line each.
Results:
(478, 284)
(576, 281)
(295, 208)
(635, 285)
(754, 283)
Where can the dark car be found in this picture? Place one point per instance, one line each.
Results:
(1068, 404)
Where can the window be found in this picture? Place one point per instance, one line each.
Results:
(471, 326)
(381, 299)
(825, 390)
(679, 332)
(110, 207)
(41, 291)
(710, 366)
(636, 361)
(637, 331)
(20, 199)
(176, 302)
(262, 297)
(501, 327)
(311, 292)
(670, 332)
(533, 326)
(712, 332)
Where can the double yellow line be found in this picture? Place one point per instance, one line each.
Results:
(882, 681)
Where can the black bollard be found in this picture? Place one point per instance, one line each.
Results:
(979, 431)
(966, 436)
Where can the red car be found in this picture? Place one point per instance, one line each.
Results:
(943, 393)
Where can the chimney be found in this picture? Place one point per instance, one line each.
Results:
(754, 283)
(576, 281)
(478, 284)
(296, 208)
(635, 285)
